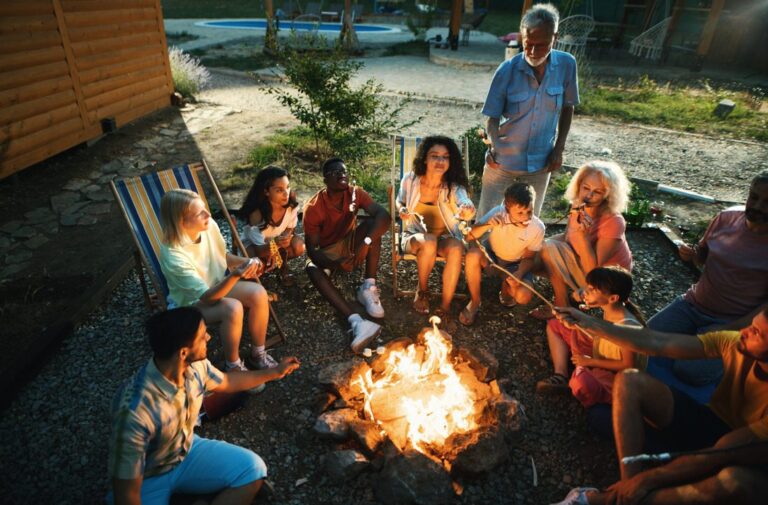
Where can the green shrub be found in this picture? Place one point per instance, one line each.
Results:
(343, 120)
(189, 76)
(639, 208)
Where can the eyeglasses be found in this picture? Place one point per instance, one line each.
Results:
(436, 158)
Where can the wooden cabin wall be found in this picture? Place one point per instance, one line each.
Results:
(67, 64)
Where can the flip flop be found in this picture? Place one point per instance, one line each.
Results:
(468, 315)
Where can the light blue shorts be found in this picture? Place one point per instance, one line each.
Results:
(211, 466)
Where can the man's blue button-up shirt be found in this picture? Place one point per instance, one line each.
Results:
(529, 111)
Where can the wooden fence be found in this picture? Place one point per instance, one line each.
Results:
(67, 64)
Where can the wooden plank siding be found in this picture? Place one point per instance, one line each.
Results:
(65, 65)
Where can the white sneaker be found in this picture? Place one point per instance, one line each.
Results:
(266, 362)
(369, 297)
(242, 368)
(363, 332)
(577, 496)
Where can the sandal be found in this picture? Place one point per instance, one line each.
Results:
(556, 383)
(447, 323)
(287, 279)
(542, 313)
(468, 315)
(506, 300)
(421, 302)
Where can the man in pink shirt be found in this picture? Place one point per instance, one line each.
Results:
(733, 283)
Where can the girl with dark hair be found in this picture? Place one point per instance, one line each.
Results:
(596, 360)
(431, 201)
(271, 214)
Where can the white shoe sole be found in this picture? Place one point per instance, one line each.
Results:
(358, 346)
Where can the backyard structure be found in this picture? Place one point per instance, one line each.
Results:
(71, 70)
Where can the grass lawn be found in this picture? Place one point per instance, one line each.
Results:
(678, 108)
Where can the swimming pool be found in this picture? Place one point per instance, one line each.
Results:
(287, 24)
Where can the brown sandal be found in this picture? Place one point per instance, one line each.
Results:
(421, 302)
(468, 314)
(556, 383)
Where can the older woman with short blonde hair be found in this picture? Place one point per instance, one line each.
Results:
(595, 233)
(200, 272)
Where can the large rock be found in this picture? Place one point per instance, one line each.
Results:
(342, 378)
(342, 466)
(483, 363)
(379, 363)
(412, 478)
(476, 452)
(368, 435)
(510, 416)
(334, 424)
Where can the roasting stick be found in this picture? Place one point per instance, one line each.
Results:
(663, 457)
(466, 230)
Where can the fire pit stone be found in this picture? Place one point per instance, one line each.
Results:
(339, 377)
(367, 434)
(334, 424)
(476, 452)
(413, 478)
(483, 363)
(345, 465)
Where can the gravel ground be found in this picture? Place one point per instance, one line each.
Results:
(55, 432)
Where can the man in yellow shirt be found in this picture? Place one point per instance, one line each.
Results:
(735, 420)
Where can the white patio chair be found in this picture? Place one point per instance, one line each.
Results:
(573, 32)
(650, 43)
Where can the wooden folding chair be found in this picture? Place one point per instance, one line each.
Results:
(403, 151)
(139, 200)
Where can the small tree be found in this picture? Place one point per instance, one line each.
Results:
(343, 120)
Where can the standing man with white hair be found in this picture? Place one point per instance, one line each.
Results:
(529, 109)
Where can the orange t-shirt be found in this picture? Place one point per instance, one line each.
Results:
(332, 224)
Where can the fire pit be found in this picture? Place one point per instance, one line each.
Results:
(424, 413)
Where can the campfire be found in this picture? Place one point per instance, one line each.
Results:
(425, 412)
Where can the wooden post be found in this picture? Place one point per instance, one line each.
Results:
(347, 35)
(270, 37)
(677, 11)
(709, 28)
(455, 24)
(526, 5)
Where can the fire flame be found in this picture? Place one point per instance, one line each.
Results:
(432, 397)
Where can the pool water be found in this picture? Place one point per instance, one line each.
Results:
(287, 24)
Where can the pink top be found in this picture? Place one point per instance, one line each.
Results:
(612, 226)
(735, 277)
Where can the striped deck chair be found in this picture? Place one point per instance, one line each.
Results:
(403, 153)
(139, 200)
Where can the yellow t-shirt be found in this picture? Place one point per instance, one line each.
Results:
(741, 399)
(432, 218)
